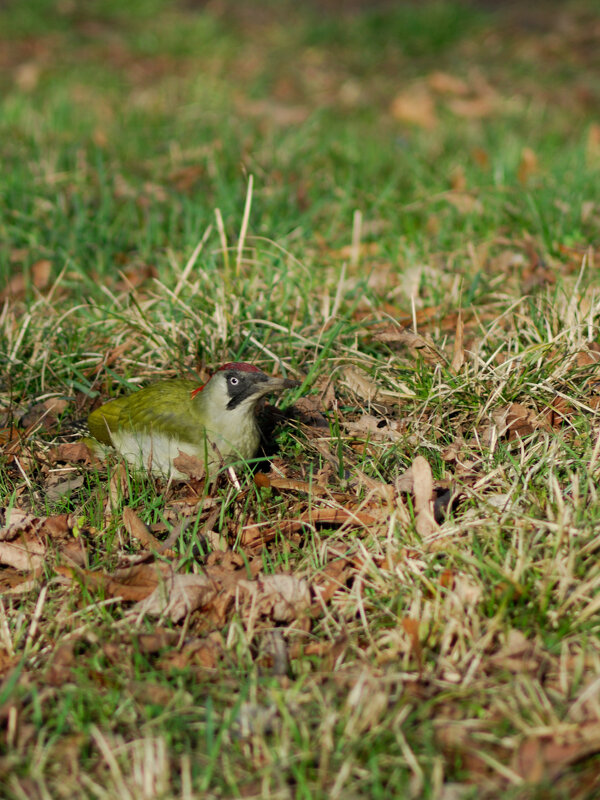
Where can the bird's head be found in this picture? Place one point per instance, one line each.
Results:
(237, 385)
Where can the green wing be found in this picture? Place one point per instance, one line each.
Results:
(166, 406)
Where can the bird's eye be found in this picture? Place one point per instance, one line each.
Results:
(234, 381)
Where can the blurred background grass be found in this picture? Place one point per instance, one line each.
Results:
(123, 126)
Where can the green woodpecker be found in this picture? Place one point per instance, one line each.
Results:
(215, 422)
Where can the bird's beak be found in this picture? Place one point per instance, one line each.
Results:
(270, 385)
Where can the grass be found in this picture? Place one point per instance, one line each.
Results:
(407, 164)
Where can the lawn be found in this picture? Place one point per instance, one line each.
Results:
(398, 206)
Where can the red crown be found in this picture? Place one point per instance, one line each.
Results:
(240, 366)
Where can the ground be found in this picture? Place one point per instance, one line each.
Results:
(395, 204)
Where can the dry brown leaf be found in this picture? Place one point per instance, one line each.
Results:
(308, 411)
(444, 83)
(360, 383)
(480, 157)
(415, 106)
(190, 465)
(465, 592)
(559, 412)
(13, 581)
(586, 358)
(520, 421)
(263, 480)
(543, 757)
(139, 530)
(130, 584)
(458, 356)
(20, 524)
(110, 357)
(411, 627)
(518, 654)
(26, 556)
(458, 179)
(159, 640)
(206, 653)
(71, 452)
(528, 165)
(332, 578)
(281, 597)
(40, 273)
(383, 490)
(185, 178)
(38, 277)
(374, 427)
(56, 491)
(60, 670)
(348, 251)
(473, 107)
(27, 75)
(405, 482)
(176, 597)
(592, 150)
(399, 335)
(423, 493)
(464, 202)
(281, 114)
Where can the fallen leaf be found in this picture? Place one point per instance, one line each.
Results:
(40, 273)
(27, 76)
(411, 627)
(480, 157)
(592, 150)
(458, 356)
(473, 107)
(205, 652)
(176, 597)
(374, 428)
(258, 534)
(423, 493)
(117, 490)
(63, 489)
(415, 106)
(520, 421)
(517, 654)
(458, 179)
(405, 482)
(281, 114)
(281, 596)
(528, 165)
(263, 480)
(60, 670)
(308, 411)
(332, 578)
(543, 757)
(417, 343)
(13, 581)
(139, 530)
(464, 202)
(26, 556)
(558, 412)
(465, 592)
(190, 465)
(71, 452)
(444, 83)
(360, 383)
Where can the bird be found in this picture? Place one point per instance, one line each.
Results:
(215, 422)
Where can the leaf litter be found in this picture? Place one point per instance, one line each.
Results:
(374, 600)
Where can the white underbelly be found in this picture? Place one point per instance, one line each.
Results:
(155, 451)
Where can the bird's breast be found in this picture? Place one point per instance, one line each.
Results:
(155, 451)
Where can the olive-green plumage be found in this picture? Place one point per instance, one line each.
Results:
(215, 423)
(165, 405)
